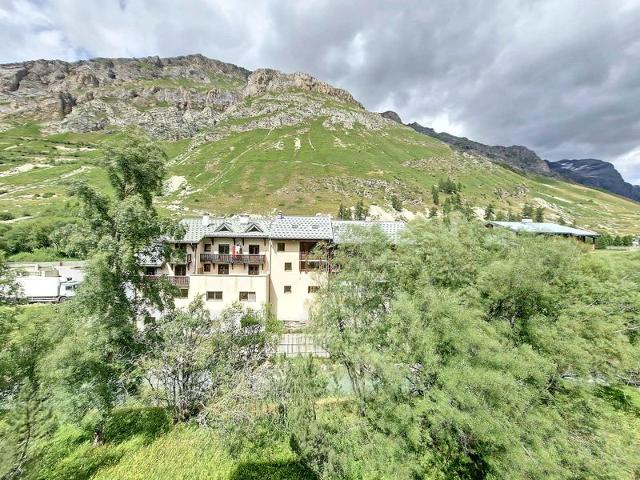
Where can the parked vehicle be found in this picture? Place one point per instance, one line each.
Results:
(47, 289)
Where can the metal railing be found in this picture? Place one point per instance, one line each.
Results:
(249, 259)
(177, 280)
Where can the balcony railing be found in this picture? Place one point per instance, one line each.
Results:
(313, 261)
(177, 280)
(229, 258)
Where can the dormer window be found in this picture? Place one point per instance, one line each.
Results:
(223, 228)
(254, 228)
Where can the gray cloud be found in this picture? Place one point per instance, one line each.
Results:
(560, 77)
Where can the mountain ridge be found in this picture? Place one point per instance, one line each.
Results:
(248, 141)
(590, 172)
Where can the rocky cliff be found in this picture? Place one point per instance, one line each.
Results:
(596, 173)
(515, 156)
(169, 98)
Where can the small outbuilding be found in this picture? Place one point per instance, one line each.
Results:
(545, 228)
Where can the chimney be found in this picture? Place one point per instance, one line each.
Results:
(526, 220)
(205, 220)
(244, 218)
(280, 215)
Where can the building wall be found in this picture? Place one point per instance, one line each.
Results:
(269, 285)
(230, 286)
(294, 306)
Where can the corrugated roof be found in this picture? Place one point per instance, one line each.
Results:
(341, 228)
(546, 228)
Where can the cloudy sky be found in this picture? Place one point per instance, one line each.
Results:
(560, 76)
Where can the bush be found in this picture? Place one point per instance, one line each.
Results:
(7, 216)
(125, 423)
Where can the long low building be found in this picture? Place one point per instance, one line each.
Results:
(258, 261)
(545, 228)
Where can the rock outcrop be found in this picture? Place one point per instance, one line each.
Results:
(596, 173)
(169, 98)
(267, 80)
(391, 115)
(515, 156)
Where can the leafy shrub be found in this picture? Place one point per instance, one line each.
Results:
(125, 423)
(7, 216)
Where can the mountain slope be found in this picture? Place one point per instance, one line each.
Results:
(515, 156)
(596, 173)
(246, 141)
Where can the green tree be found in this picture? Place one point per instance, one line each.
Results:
(344, 213)
(193, 358)
(396, 203)
(433, 333)
(435, 195)
(99, 352)
(433, 211)
(489, 212)
(527, 211)
(500, 216)
(9, 289)
(25, 342)
(539, 215)
(360, 211)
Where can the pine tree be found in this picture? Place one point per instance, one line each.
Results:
(344, 213)
(489, 212)
(527, 211)
(435, 195)
(360, 212)
(396, 203)
(539, 215)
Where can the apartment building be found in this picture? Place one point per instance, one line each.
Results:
(258, 261)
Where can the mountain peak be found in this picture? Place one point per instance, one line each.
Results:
(596, 173)
(391, 115)
(268, 80)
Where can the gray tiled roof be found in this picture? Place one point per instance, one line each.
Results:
(545, 228)
(341, 228)
(279, 227)
(312, 228)
(196, 230)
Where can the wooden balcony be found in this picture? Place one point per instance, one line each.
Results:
(177, 280)
(247, 259)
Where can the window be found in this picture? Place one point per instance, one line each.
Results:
(207, 267)
(223, 269)
(247, 296)
(254, 269)
(150, 271)
(287, 289)
(223, 249)
(287, 266)
(214, 296)
(313, 289)
(183, 293)
(254, 249)
(180, 270)
(281, 246)
(69, 288)
(207, 247)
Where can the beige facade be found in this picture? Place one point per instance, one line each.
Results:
(255, 262)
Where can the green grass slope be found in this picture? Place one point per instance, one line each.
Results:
(301, 152)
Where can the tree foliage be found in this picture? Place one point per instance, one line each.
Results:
(474, 353)
(192, 358)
